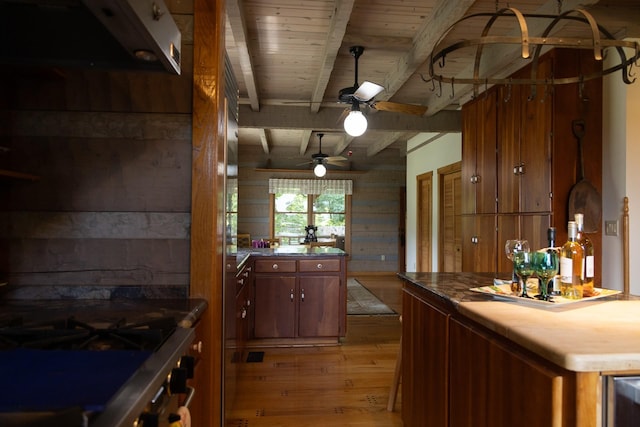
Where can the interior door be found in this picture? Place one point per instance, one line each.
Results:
(425, 209)
(450, 241)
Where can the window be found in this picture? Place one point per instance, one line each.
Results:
(295, 205)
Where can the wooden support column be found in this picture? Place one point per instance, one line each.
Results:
(208, 178)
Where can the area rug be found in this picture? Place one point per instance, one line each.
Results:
(361, 301)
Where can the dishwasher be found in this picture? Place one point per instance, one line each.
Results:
(621, 401)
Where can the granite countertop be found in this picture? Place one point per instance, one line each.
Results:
(243, 254)
(587, 336)
(186, 311)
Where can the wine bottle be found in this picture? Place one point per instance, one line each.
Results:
(571, 260)
(554, 285)
(589, 260)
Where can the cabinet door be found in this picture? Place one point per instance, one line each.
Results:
(509, 162)
(532, 228)
(479, 155)
(424, 363)
(494, 385)
(274, 308)
(318, 306)
(479, 250)
(524, 146)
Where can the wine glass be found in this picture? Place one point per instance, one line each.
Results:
(545, 265)
(511, 247)
(523, 266)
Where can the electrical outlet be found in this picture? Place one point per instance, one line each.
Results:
(381, 257)
(611, 228)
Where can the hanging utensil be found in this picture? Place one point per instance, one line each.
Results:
(584, 198)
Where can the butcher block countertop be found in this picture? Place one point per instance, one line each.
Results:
(587, 336)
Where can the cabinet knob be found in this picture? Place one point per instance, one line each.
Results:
(291, 294)
(319, 266)
(243, 313)
(240, 281)
(197, 347)
(274, 266)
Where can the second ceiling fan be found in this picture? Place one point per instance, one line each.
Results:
(355, 123)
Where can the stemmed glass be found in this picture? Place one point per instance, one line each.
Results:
(545, 265)
(511, 247)
(523, 266)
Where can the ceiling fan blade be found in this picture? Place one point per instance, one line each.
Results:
(305, 163)
(367, 91)
(339, 162)
(417, 110)
(336, 159)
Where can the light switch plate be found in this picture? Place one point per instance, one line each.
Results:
(611, 228)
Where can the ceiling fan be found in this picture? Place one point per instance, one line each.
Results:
(320, 160)
(355, 123)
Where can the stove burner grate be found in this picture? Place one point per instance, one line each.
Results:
(72, 334)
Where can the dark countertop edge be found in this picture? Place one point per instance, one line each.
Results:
(242, 256)
(453, 288)
(456, 287)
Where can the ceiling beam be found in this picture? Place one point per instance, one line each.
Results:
(337, 29)
(290, 117)
(264, 140)
(445, 13)
(237, 22)
(343, 144)
(383, 142)
(304, 140)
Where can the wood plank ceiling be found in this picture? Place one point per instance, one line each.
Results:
(292, 57)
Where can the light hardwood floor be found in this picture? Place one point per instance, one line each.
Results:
(339, 385)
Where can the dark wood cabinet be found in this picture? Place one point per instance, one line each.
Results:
(479, 249)
(424, 362)
(479, 155)
(528, 179)
(276, 300)
(493, 384)
(524, 146)
(456, 373)
(301, 298)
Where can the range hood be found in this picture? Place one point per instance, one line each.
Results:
(101, 34)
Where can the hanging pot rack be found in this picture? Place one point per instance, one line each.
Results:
(600, 40)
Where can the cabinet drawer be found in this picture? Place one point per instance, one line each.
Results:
(275, 266)
(319, 265)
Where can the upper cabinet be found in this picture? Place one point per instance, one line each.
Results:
(479, 155)
(524, 145)
(520, 157)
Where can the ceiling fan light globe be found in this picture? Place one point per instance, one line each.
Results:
(355, 124)
(320, 170)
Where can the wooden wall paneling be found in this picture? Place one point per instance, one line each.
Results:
(207, 232)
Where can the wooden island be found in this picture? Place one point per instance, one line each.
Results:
(470, 360)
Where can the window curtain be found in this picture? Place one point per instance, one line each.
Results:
(310, 186)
